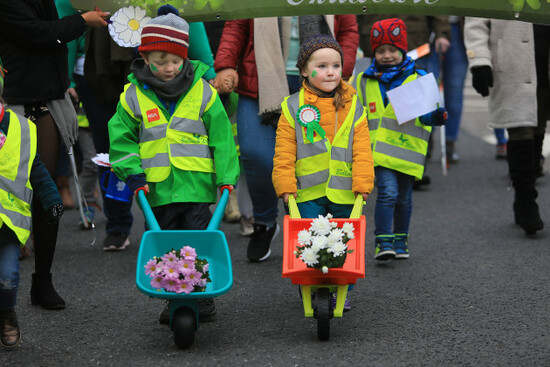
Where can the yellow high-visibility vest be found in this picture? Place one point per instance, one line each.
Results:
(400, 147)
(181, 141)
(16, 159)
(324, 169)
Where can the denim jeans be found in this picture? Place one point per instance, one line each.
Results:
(500, 135)
(394, 201)
(118, 213)
(323, 206)
(257, 143)
(9, 268)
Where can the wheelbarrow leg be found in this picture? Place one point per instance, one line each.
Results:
(306, 299)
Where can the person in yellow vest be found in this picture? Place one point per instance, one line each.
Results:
(323, 153)
(399, 151)
(171, 135)
(22, 173)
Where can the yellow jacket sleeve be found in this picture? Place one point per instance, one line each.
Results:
(284, 161)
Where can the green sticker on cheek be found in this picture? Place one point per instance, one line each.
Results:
(153, 67)
(313, 74)
(181, 67)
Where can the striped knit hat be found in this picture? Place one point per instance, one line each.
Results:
(167, 32)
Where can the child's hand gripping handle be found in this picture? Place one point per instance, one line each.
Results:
(293, 207)
(150, 219)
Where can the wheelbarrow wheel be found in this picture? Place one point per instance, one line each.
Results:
(184, 326)
(323, 313)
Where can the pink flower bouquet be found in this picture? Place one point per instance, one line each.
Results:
(178, 271)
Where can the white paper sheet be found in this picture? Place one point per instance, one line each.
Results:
(415, 99)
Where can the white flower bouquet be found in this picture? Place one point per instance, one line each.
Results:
(323, 245)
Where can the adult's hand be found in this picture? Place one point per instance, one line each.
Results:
(74, 96)
(482, 79)
(95, 18)
(442, 45)
(226, 80)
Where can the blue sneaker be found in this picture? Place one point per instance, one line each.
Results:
(384, 247)
(334, 296)
(400, 244)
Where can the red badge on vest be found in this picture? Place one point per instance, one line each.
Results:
(372, 107)
(153, 115)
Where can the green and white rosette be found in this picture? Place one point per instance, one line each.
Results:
(309, 116)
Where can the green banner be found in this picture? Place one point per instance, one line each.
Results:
(534, 11)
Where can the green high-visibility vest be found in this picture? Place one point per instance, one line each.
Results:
(181, 141)
(16, 159)
(400, 147)
(324, 169)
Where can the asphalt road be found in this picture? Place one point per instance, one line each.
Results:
(475, 291)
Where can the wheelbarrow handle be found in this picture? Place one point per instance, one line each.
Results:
(357, 207)
(217, 216)
(150, 219)
(293, 207)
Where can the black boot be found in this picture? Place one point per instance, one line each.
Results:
(10, 335)
(539, 158)
(44, 294)
(521, 163)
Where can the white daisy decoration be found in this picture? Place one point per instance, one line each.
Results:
(126, 25)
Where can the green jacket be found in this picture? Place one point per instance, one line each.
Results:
(180, 186)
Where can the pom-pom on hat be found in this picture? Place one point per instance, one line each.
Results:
(389, 32)
(315, 43)
(167, 32)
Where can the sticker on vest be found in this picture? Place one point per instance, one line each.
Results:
(309, 116)
(372, 107)
(2, 139)
(153, 115)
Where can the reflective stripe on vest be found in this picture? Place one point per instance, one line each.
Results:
(182, 141)
(399, 147)
(319, 173)
(16, 159)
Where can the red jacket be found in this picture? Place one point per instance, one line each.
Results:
(236, 50)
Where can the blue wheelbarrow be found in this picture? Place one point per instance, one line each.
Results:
(210, 244)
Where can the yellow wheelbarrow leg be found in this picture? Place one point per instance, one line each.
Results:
(306, 299)
(341, 295)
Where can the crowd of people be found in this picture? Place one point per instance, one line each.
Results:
(261, 107)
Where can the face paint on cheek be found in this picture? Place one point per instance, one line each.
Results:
(153, 67)
(181, 67)
(313, 74)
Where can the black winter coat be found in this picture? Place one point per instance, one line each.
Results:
(33, 50)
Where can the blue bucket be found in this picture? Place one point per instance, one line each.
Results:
(116, 189)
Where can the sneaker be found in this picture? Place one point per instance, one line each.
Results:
(89, 214)
(207, 309)
(334, 296)
(164, 318)
(258, 247)
(452, 155)
(502, 151)
(384, 248)
(116, 241)
(246, 226)
(400, 245)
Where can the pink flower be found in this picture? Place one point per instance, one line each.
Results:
(205, 267)
(170, 257)
(184, 287)
(188, 253)
(194, 277)
(156, 282)
(170, 285)
(170, 272)
(186, 266)
(151, 268)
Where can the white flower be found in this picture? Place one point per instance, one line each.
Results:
(324, 269)
(309, 257)
(304, 237)
(348, 230)
(321, 226)
(329, 216)
(127, 24)
(337, 248)
(333, 224)
(319, 242)
(335, 235)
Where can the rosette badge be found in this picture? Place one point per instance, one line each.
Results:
(309, 116)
